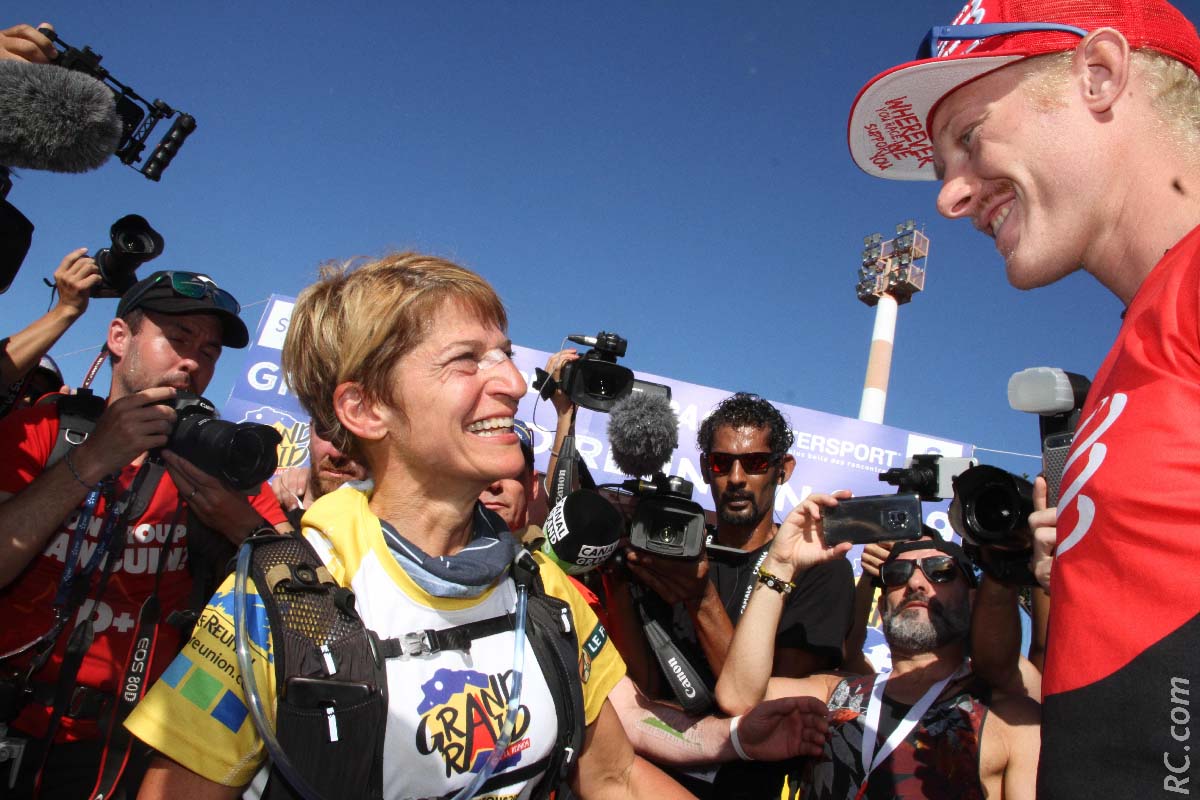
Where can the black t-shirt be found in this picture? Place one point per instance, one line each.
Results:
(816, 618)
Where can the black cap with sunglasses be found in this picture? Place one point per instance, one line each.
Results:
(178, 292)
(894, 572)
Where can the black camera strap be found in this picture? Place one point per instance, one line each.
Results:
(118, 741)
(113, 538)
(74, 585)
(688, 687)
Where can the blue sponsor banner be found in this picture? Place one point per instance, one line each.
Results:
(261, 395)
(832, 452)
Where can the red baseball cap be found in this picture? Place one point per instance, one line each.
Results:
(889, 121)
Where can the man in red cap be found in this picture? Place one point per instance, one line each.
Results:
(102, 553)
(1069, 132)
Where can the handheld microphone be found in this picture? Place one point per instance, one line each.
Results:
(55, 119)
(643, 432)
(581, 532)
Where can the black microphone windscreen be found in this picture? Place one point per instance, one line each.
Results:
(582, 531)
(55, 119)
(642, 432)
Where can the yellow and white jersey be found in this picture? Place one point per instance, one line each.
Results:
(445, 710)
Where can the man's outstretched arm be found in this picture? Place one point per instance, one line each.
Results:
(771, 731)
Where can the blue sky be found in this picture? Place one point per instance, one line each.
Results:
(675, 172)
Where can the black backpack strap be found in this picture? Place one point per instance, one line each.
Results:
(429, 641)
(555, 643)
(333, 730)
(77, 417)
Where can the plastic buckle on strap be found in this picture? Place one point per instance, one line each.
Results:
(87, 703)
(417, 643)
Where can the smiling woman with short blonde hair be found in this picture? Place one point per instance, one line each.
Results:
(404, 362)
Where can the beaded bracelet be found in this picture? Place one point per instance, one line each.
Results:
(75, 472)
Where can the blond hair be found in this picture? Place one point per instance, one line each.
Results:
(1173, 87)
(360, 318)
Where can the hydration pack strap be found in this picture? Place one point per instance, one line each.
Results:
(427, 642)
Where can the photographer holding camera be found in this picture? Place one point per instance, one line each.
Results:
(21, 352)
(99, 544)
(918, 731)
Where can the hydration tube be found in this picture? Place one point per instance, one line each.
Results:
(512, 706)
(254, 700)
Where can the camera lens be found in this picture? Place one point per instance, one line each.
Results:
(599, 385)
(991, 507)
(134, 243)
(131, 242)
(667, 536)
(241, 453)
(994, 509)
(251, 456)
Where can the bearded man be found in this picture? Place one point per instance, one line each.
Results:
(928, 729)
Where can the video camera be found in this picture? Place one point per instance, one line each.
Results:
(243, 454)
(596, 381)
(666, 521)
(138, 116)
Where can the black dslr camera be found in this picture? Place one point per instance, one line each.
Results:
(596, 380)
(138, 116)
(666, 522)
(134, 243)
(243, 454)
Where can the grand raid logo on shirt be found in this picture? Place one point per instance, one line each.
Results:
(462, 714)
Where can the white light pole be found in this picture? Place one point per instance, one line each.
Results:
(892, 272)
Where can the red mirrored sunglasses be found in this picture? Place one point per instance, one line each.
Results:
(753, 463)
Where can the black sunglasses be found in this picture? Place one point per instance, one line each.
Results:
(753, 463)
(940, 34)
(938, 569)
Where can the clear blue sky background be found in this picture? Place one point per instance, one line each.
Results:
(676, 172)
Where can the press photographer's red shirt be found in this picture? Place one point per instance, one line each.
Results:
(26, 605)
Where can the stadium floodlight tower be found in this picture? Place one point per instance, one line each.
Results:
(892, 272)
